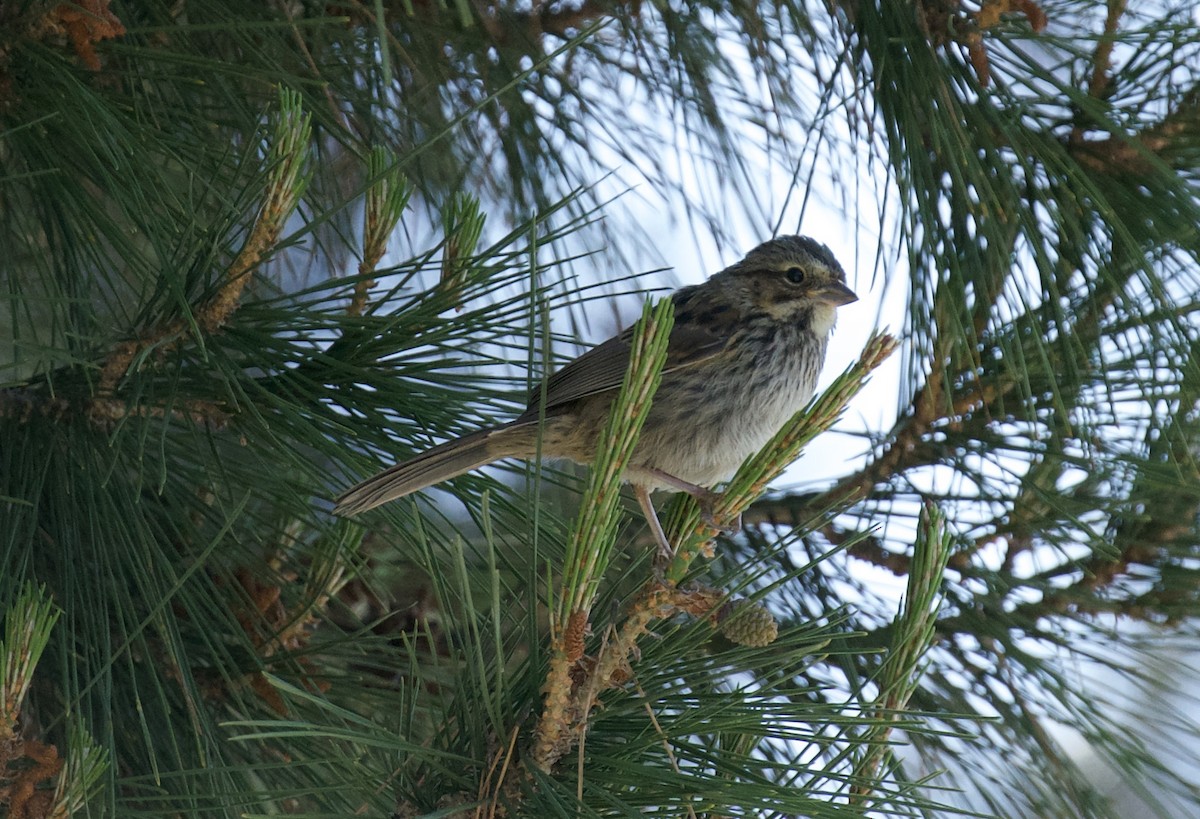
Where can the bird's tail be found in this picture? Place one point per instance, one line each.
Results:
(518, 440)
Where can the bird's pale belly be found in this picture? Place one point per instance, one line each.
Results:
(709, 432)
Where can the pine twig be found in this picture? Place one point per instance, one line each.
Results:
(385, 203)
(1101, 61)
(594, 533)
(286, 184)
(81, 771)
(27, 627)
(27, 763)
(914, 633)
(462, 222)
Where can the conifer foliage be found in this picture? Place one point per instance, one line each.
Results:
(252, 251)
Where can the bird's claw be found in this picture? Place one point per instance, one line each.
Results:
(725, 527)
(707, 515)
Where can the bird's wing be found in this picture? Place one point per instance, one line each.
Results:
(603, 367)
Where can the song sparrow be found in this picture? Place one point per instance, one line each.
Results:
(744, 356)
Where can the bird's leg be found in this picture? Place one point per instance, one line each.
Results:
(706, 498)
(665, 550)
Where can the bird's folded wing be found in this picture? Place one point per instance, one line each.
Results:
(603, 367)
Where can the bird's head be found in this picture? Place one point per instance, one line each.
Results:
(790, 276)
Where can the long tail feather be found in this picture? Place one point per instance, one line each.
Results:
(441, 463)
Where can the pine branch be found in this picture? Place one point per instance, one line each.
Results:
(1100, 79)
(1143, 152)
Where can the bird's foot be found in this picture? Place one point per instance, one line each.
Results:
(707, 499)
(725, 526)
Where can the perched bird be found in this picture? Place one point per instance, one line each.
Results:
(743, 357)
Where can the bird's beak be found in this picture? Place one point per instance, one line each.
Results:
(836, 293)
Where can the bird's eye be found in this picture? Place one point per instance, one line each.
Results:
(795, 275)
